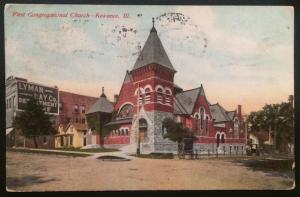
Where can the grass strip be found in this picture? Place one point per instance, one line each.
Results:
(89, 150)
(22, 150)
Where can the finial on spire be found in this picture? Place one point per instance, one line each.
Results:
(102, 95)
(153, 28)
(153, 21)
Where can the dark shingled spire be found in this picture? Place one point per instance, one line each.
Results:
(101, 105)
(153, 52)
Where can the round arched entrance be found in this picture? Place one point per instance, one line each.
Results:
(143, 127)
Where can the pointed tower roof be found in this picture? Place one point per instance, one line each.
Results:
(101, 105)
(153, 52)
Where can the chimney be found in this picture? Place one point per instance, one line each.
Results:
(239, 112)
(116, 98)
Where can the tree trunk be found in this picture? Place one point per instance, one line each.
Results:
(101, 140)
(35, 142)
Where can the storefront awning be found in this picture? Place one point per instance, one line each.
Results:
(8, 130)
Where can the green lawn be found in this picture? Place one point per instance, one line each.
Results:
(90, 150)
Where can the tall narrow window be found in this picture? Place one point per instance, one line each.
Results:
(75, 108)
(83, 109)
(206, 125)
(147, 95)
(13, 101)
(168, 97)
(201, 118)
(141, 98)
(197, 122)
(71, 140)
(159, 95)
(236, 128)
(223, 138)
(61, 141)
(60, 106)
(218, 140)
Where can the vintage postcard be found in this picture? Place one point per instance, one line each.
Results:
(144, 97)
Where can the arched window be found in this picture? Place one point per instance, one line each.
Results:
(141, 98)
(125, 112)
(159, 95)
(140, 91)
(147, 95)
(168, 96)
(197, 122)
(223, 138)
(143, 128)
(236, 125)
(218, 139)
(206, 125)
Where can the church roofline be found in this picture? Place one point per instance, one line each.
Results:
(153, 52)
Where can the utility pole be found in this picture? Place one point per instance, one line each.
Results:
(138, 122)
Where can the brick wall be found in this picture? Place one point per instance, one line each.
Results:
(69, 100)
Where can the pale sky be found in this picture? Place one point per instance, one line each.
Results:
(241, 54)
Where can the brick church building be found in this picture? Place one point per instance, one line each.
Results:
(149, 95)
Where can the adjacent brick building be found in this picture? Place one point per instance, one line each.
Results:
(73, 107)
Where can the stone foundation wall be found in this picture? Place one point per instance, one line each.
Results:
(162, 145)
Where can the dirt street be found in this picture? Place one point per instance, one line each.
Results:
(37, 172)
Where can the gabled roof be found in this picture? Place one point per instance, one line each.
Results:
(231, 114)
(219, 113)
(153, 52)
(185, 101)
(101, 105)
(79, 126)
(178, 107)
